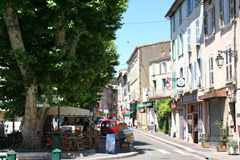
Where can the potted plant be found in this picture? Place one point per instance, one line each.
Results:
(205, 141)
(232, 147)
(223, 139)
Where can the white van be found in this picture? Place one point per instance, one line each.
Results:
(8, 127)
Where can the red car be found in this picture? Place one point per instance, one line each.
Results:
(109, 126)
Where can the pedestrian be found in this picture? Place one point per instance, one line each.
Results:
(131, 121)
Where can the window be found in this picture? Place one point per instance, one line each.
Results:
(189, 39)
(153, 69)
(181, 44)
(174, 80)
(181, 73)
(180, 15)
(189, 7)
(113, 124)
(163, 68)
(209, 21)
(211, 71)
(200, 81)
(173, 49)
(173, 23)
(154, 85)
(229, 66)
(192, 75)
(163, 84)
(198, 34)
(226, 11)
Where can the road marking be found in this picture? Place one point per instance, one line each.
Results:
(181, 152)
(163, 151)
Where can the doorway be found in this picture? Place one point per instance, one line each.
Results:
(195, 122)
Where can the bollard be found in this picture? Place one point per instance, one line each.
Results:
(11, 155)
(2, 157)
(56, 154)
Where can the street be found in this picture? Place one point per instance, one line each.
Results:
(150, 148)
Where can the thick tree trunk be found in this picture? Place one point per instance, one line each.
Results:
(29, 123)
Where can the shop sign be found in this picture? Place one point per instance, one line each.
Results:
(173, 105)
(143, 105)
(124, 111)
(142, 110)
(181, 83)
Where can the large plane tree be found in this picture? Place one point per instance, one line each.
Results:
(55, 47)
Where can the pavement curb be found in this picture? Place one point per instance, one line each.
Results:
(125, 155)
(176, 145)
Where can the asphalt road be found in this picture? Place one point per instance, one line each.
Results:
(150, 148)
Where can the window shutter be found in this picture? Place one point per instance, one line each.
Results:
(201, 71)
(194, 3)
(221, 13)
(172, 49)
(197, 25)
(163, 84)
(189, 39)
(191, 5)
(195, 74)
(180, 15)
(187, 11)
(213, 19)
(187, 78)
(192, 76)
(160, 68)
(178, 46)
(173, 19)
(232, 9)
(205, 23)
(182, 42)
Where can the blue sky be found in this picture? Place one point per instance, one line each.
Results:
(144, 23)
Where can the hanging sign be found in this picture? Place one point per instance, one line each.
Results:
(142, 110)
(180, 82)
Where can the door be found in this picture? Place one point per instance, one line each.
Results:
(215, 110)
(181, 124)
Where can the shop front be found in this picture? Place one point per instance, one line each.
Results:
(144, 111)
(194, 120)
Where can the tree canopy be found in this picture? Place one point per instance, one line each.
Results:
(63, 47)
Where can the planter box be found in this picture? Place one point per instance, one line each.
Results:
(206, 144)
(221, 148)
(231, 151)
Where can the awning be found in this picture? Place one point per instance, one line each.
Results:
(97, 115)
(68, 111)
(128, 114)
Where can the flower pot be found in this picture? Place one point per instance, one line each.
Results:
(232, 151)
(221, 148)
(206, 144)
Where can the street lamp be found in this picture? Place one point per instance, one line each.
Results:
(219, 59)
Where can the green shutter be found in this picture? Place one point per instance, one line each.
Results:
(182, 42)
(180, 15)
(178, 47)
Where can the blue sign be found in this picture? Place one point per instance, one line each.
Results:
(106, 107)
(110, 143)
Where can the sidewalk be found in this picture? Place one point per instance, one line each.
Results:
(93, 154)
(197, 149)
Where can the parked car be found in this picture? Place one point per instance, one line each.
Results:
(99, 124)
(109, 126)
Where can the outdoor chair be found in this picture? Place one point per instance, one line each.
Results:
(78, 144)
